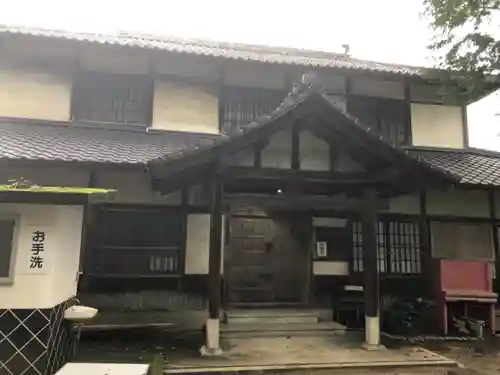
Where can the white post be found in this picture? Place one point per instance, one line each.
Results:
(212, 345)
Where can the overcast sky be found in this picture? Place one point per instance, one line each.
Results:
(384, 30)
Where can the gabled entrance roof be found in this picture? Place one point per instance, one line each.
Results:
(308, 108)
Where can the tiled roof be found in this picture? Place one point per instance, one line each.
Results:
(66, 142)
(309, 90)
(474, 167)
(226, 50)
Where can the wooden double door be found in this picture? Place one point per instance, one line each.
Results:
(267, 261)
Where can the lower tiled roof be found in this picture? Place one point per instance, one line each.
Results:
(75, 143)
(65, 142)
(472, 166)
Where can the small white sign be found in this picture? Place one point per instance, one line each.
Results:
(35, 248)
(321, 249)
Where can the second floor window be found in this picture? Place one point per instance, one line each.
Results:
(387, 117)
(241, 105)
(116, 98)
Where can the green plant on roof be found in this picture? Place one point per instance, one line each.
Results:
(20, 183)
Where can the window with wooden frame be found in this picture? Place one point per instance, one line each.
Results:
(454, 240)
(388, 117)
(136, 242)
(399, 251)
(7, 227)
(239, 106)
(112, 98)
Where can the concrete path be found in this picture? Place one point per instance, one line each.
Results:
(305, 353)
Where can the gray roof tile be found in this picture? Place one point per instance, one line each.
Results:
(473, 166)
(59, 142)
(226, 50)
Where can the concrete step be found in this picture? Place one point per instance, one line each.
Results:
(270, 316)
(281, 330)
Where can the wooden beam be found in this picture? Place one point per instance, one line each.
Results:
(425, 236)
(295, 148)
(371, 276)
(215, 250)
(494, 230)
(407, 98)
(328, 177)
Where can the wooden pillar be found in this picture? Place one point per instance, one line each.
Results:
(212, 345)
(371, 276)
(494, 233)
(425, 243)
(215, 256)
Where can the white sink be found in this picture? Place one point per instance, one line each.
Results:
(79, 313)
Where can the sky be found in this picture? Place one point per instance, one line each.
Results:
(383, 30)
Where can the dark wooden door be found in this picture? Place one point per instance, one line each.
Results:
(265, 264)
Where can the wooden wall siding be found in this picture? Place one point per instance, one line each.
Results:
(144, 300)
(388, 117)
(115, 98)
(247, 74)
(140, 242)
(134, 187)
(458, 203)
(399, 248)
(243, 158)
(239, 106)
(377, 88)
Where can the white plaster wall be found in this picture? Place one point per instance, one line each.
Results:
(314, 152)
(56, 282)
(405, 204)
(198, 244)
(69, 230)
(278, 153)
(35, 93)
(187, 107)
(113, 60)
(458, 203)
(437, 125)
(324, 268)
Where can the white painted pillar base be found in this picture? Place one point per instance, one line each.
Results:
(212, 345)
(372, 333)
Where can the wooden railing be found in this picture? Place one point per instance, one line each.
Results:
(134, 261)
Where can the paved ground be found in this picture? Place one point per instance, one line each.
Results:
(477, 362)
(341, 352)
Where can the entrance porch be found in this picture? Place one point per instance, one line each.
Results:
(266, 185)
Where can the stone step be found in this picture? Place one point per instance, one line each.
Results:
(281, 330)
(270, 316)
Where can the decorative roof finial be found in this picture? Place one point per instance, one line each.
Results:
(312, 80)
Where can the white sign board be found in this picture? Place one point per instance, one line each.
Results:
(35, 247)
(321, 249)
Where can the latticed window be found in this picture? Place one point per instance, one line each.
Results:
(398, 247)
(116, 98)
(387, 117)
(242, 105)
(135, 242)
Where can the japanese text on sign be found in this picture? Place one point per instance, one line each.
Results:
(37, 249)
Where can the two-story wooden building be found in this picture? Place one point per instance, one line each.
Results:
(243, 183)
